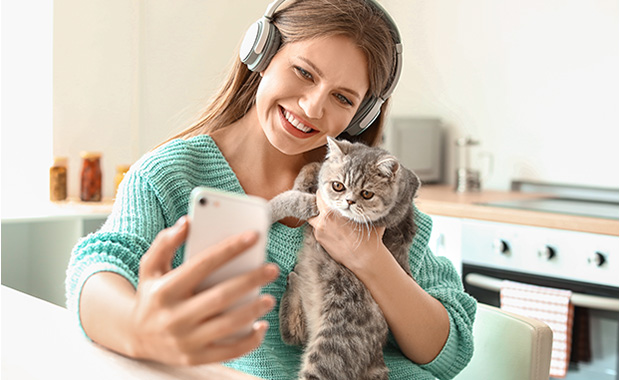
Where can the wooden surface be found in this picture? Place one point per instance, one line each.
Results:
(41, 341)
(443, 200)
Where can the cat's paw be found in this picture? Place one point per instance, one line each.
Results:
(292, 279)
(313, 208)
(306, 181)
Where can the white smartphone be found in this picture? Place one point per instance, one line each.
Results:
(215, 215)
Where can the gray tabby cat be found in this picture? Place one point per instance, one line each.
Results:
(326, 307)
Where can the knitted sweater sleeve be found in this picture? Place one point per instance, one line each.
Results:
(438, 277)
(118, 246)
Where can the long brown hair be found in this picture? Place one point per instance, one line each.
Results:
(301, 20)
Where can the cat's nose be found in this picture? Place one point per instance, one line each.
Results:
(350, 202)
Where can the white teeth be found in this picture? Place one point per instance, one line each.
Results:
(296, 123)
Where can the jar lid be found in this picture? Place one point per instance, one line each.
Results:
(60, 161)
(90, 154)
(122, 168)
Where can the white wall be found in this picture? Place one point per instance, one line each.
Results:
(536, 81)
(26, 106)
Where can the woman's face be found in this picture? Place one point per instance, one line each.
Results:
(310, 90)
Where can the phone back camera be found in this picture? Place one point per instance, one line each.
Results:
(203, 201)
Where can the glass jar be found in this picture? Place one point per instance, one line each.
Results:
(58, 179)
(467, 174)
(121, 170)
(90, 189)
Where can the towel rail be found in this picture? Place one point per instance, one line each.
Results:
(578, 299)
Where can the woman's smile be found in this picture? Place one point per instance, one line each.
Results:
(295, 126)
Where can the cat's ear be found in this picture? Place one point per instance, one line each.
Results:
(388, 166)
(336, 149)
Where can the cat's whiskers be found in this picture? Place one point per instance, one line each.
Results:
(363, 228)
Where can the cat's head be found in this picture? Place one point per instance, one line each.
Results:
(360, 182)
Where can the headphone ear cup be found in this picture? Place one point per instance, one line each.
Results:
(259, 45)
(367, 113)
(271, 48)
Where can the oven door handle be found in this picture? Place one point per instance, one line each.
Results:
(578, 299)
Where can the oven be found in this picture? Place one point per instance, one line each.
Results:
(585, 263)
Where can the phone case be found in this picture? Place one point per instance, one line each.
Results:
(215, 215)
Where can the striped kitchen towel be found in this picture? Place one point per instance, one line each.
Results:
(548, 305)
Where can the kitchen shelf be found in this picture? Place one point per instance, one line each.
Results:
(37, 239)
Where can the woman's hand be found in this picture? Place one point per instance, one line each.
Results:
(173, 324)
(348, 243)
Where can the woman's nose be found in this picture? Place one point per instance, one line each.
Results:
(313, 103)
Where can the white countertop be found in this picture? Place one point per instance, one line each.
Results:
(40, 341)
(50, 211)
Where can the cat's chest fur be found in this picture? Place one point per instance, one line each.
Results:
(326, 284)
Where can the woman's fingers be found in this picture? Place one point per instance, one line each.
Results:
(176, 325)
(184, 280)
(157, 260)
(220, 352)
(216, 329)
(220, 297)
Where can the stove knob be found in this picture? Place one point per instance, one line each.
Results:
(501, 246)
(597, 258)
(546, 252)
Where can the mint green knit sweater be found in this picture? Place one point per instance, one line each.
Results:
(155, 194)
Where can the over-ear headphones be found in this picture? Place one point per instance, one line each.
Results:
(261, 43)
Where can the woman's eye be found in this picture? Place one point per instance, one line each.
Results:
(344, 100)
(367, 194)
(337, 186)
(303, 73)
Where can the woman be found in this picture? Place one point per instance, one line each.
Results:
(126, 282)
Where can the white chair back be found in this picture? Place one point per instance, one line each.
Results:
(508, 346)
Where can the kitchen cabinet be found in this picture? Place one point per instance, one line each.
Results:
(452, 211)
(445, 239)
(37, 244)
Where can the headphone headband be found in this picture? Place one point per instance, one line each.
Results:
(261, 43)
(272, 7)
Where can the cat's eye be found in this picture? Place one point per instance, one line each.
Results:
(367, 194)
(337, 186)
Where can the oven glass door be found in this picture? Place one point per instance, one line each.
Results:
(600, 362)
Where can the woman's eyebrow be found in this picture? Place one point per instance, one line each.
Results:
(320, 74)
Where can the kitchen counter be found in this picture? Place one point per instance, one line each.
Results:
(54, 211)
(443, 200)
(40, 341)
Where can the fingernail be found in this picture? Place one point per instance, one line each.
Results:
(249, 237)
(268, 302)
(261, 325)
(272, 270)
(181, 222)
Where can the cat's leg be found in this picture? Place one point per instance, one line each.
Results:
(350, 340)
(293, 203)
(344, 353)
(292, 323)
(307, 179)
